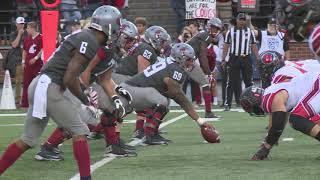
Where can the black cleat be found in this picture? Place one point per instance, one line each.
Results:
(138, 134)
(48, 154)
(115, 150)
(210, 115)
(126, 146)
(153, 139)
(161, 138)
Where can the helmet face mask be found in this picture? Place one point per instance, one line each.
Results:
(250, 100)
(158, 38)
(128, 35)
(184, 55)
(107, 19)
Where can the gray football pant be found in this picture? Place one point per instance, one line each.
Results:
(198, 76)
(59, 107)
(142, 97)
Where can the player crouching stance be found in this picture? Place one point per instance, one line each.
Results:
(298, 99)
(151, 89)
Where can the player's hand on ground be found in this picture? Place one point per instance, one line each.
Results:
(124, 93)
(119, 111)
(261, 154)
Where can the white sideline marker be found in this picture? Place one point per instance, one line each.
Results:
(7, 98)
(287, 139)
(106, 160)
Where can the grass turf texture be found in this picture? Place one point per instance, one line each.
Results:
(187, 158)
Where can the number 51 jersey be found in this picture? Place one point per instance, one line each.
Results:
(154, 75)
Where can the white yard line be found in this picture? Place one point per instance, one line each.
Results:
(106, 160)
(13, 115)
(12, 125)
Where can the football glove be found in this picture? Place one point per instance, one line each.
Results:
(119, 111)
(124, 93)
(261, 154)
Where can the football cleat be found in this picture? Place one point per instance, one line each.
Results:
(126, 146)
(161, 138)
(48, 154)
(153, 139)
(138, 134)
(115, 150)
(261, 154)
(210, 115)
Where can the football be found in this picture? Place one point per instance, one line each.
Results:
(211, 135)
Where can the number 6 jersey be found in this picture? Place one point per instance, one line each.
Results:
(154, 75)
(83, 42)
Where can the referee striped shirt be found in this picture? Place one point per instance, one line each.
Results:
(240, 41)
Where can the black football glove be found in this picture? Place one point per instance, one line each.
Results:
(124, 93)
(119, 111)
(261, 154)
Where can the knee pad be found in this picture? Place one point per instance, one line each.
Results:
(301, 124)
(107, 119)
(157, 112)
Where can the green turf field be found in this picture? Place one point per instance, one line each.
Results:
(187, 158)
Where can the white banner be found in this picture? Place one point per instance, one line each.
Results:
(200, 9)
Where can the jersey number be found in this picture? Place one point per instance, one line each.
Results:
(147, 54)
(83, 47)
(154, 68)
(177, 75)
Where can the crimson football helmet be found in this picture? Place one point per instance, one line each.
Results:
(250, 100)
(314, 41)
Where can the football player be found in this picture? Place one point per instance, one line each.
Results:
(200, 43)
(297, 99)
(46, 90)
(99, 70)
(151, 89)
(140, 56)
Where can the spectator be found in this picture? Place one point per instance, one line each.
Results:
(89, 6)
(240, 49)
(116, 3)
(179, 7)
(31, 59)
(194, 27)
(27, 9)
(75, 27)
(141, 24)
(185, 35)
(70, 10)
(14, 57)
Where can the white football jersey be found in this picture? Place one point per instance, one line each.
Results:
(303, 91)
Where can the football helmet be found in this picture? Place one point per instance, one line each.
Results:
(158, 38)
(250, 100)
(184, 55)
(107, 19)
(128, 35)
(216, 22)
(314, 41)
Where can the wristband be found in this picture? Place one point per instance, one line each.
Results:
(23, 61)
(200, 121)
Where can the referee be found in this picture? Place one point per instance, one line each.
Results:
(241, 41)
